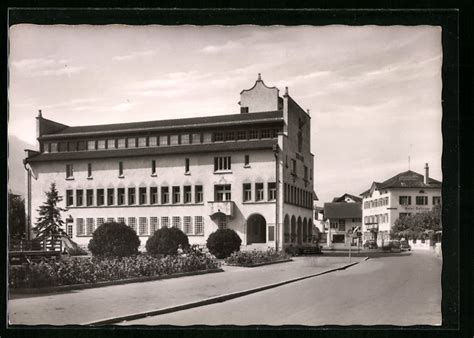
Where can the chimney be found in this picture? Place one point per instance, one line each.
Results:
(259, 77)
(286, 91)
(427, 173)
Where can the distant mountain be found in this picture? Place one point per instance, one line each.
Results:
(16, 171)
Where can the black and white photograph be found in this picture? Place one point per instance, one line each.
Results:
(225, 175)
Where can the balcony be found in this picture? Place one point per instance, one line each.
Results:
(372, 226)
(222, 207)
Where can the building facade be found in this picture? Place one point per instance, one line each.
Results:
(343, 216)
(251, 172)
(402, 195)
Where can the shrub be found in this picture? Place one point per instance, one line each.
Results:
(223, 242)
(292, 250)
(255, 257)
(114, 240)
(165, 241)
(50, 272)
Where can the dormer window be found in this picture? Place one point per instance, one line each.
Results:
(244, 110)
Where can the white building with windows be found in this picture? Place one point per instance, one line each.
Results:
(251, 172)
(404, 194)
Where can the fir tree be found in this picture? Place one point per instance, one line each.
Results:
(49, 223)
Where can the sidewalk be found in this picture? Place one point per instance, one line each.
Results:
(90, 305)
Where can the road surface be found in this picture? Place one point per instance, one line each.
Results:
(398, 289)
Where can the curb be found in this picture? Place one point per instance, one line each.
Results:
(212, 300)
(261, 264)
(61, 288)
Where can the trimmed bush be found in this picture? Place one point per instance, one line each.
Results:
(114, 240)
(165, 241)
(244, 258)
(223, 243)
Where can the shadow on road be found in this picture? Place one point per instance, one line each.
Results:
(371, 255)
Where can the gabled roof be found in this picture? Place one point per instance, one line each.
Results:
(185, 123)
(343, 197)
(338, 210)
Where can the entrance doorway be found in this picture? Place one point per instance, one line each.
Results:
(256, 229)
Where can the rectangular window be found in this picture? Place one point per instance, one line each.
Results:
(207, 138)
(198, 225)
(69, 230)
(121, 220)
(247, 192)
(222, 163)
(187, 225)
(121, 196)
(271, 233)
(259, 191)
(293, 166)
(176, 222)
(436, 200)
(142, 142)
(69, 171)
(342, 225)
(79, 198)
(100, 221)
(153, 195)
(120, 169)
(266, 133)
(311, 174)
(121, 143)
(81, 145)
(174, 140)
(163, 140)
(131, 142)
(69, 198)
(54, 147)
(271, 191)
(247, 161)
(275, 133)
(165, 195)
(142, 195)
(218, 137)
(89, 226)
(185, 139)
(110, 220)
(165, 222)
(101, 144)
(132, 223)
(176, 195)
(405, 200)
(72, 146)
(89, 170)
(80, 227)
(198, 198)
(242, 135)
(253, 134)
(152, 141)
(100, 197)
(196, 138)
(305, 172)
(186, 165)
(62, 146)
(187, 194)
(131, 196)
(89, 197)
(230, 136)
(153, 225)
(421, 200)
(111, 144)
(153, 167)
(142, 226)
(221, 221)
(222, 192)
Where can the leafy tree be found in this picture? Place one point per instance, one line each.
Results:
(16, 215)
(417, 226)
(49, 223)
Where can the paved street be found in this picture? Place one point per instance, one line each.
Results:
(399, 289)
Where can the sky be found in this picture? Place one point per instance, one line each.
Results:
(374, 92)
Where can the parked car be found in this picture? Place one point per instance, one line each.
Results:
(392, 246)
(370, 244)
(404, 246)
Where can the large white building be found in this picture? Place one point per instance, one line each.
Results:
(251, 172)
(404, 194)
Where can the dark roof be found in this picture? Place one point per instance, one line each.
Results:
(342, 198)
(189, 123)
(338, 210)
(406, 179)
(151, 151)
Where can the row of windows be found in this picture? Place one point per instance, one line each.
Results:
(220, 164)
(259, 192)
(297, 196)
(376, 203)
(382, 218)
(158, 140)
(419, 200)
(294, 169)
(146, 226)
(128, 196)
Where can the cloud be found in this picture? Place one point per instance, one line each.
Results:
(46, 67)
(229, 45)
(134, 55)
